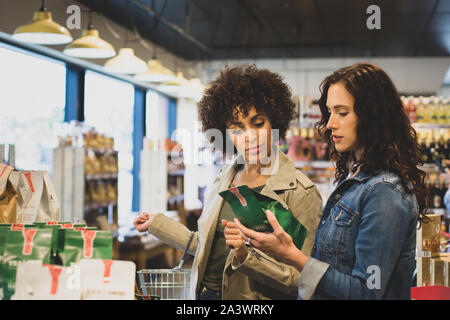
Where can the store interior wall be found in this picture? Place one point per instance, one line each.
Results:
(411, 75)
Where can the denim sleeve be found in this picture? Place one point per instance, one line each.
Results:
(383, 227)
(447, 199)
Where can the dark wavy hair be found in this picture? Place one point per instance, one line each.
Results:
(383, 131)
(246, 86)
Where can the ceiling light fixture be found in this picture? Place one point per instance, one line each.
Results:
(90, 45)
(126, 62)
(43, 30)
(156, 73)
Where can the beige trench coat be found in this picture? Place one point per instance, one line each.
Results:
(259, 276)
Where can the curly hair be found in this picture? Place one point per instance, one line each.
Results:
(240, 88)
(384, 132)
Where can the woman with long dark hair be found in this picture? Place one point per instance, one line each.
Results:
(365, 242)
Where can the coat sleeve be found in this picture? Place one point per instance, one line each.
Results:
(174, 233)
(270, 271)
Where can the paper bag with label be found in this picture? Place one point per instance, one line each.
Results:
(38, 281)
(250, 208)
(8, 196)
(37, 200)
(107, 279)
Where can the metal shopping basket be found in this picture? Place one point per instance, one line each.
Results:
(166, 284)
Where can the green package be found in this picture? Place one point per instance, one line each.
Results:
(250, 208)
(21, 245)
(74, 245)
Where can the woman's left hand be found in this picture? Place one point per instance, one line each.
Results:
(278, 243)
(235, 240)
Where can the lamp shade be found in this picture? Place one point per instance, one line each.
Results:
(90, 45)
(126, 62)
(43, 30)
(156, 73)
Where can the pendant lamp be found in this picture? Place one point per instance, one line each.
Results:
(90, 45)
(176, 85)
(156, 73)
(126, 62)
(43, 30)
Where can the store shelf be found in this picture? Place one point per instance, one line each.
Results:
(95, 206)
(439, 211)
(176, 173)
(418, 125)
(102, 151)
(177, 198)
(101, 176)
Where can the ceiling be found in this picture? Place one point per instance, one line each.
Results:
(255, 29)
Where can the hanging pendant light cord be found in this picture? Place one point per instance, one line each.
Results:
(43, 8)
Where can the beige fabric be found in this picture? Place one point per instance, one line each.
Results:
(259, 276)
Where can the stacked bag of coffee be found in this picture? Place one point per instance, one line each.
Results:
(44, 258)
(432, 264)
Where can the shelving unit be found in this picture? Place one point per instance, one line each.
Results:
(87, 192)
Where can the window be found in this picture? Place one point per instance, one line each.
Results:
(156, 122)
(32, 99)
(108, 105)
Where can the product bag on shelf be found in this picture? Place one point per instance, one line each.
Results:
(74, 245)
(103, 279)
(37, 199)
(22, 245)
(8, 196)
(250, 208)
(38, 281)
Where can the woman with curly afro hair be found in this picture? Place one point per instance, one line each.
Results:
(243, 111)
(366, 240)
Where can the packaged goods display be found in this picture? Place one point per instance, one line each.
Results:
(107, 279)
(306, 145)
(86, 174)
(427, 237)
(8, 154)
(433, 110)
(27, 196)
(432, 262)
(435, 144)
(40, 281)
(52, 244)
(437, 272)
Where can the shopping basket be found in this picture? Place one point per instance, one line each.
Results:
(166, 284)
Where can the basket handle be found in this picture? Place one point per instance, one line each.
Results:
(185, 251)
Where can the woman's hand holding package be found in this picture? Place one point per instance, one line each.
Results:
(143, 221)
(235, 240)
(278, 243)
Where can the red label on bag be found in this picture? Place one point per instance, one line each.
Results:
(17, 227)
(66, 226)
(88, 237)
(28, 176)
(3, 171)
(28, 235)
(235, 191)
(55, 272)
(107, 271)
(79, 228)
(51, 223)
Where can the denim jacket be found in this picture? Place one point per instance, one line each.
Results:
(365, 243)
